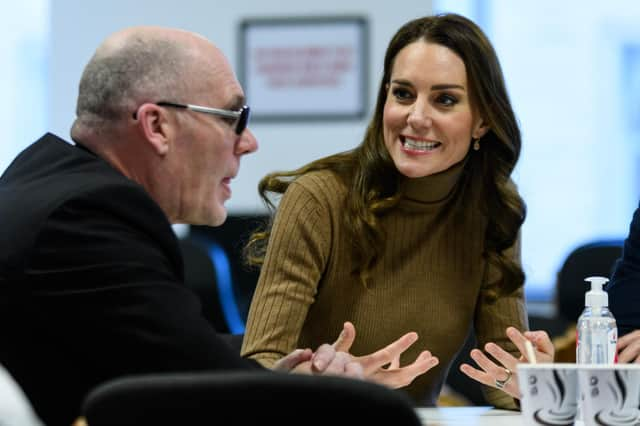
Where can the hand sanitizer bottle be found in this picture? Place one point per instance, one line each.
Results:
(597, 334)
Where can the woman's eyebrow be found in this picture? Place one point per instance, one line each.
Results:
(441, 86)
(447, 86)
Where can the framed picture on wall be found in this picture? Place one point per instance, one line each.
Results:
(305, 68)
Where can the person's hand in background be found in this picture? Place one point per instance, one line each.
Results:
(629, 347)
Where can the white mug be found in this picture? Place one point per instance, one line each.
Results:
(610, 394)
(549, 393)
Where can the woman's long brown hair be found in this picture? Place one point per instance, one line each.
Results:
(372, 178)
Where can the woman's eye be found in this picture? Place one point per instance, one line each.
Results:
(401, 93)
(447, 100)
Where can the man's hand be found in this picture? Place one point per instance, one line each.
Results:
(292, 360)
(629, 347)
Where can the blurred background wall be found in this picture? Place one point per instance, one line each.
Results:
(572, 68)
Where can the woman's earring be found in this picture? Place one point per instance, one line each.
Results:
(476, 145)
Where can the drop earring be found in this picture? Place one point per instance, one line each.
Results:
(476, 145)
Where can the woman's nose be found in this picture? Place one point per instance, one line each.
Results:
(420, 116)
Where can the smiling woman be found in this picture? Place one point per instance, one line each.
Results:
(414, 229)
(428, 119)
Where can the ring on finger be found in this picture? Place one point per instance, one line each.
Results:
(502, 383)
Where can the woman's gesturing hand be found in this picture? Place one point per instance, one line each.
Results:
(504, 374)
(382, 366)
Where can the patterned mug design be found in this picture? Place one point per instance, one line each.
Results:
(551, 396)
(612, 398)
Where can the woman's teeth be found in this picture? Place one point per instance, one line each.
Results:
(420, 145)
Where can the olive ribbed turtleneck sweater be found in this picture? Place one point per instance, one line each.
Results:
(429, 279)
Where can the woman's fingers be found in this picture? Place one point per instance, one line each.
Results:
(386, 355)
(518, 339)
(503, 374)
(504, 357)
(395, 363)
(422, 364)
(490, 373)
(477, 375)
(542, 344)
(493, 370)
(382, 366)
(402, 376)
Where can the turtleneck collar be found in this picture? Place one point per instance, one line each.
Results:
(430, 190)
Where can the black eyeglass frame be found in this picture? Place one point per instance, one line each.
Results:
(241, 115)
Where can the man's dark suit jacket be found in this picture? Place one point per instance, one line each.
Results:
(624, 287)
(91, 282)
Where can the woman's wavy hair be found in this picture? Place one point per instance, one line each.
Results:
(372, 178)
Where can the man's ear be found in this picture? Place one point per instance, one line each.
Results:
(153, 123)
(480, 129)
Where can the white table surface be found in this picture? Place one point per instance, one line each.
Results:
(469, 416)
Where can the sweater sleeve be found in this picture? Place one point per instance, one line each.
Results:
(296, 258)
(624, 288)
(491, 322)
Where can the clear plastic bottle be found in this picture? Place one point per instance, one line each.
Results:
(597, 334)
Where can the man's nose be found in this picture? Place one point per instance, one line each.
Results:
(247, 143)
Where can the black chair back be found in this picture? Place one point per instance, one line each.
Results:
(245, 398)
(593, 259)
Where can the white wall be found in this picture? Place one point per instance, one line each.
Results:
(23, 56)
(579, 164)
(78, 27)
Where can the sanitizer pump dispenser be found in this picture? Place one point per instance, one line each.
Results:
(597, 334)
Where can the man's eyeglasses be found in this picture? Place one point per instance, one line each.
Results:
(241, 116)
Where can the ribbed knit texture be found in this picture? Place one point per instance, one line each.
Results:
(429, 280)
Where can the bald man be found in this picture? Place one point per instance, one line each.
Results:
(91, 275)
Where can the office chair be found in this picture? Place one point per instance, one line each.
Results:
(591, 259)
(201, 277)
(209, 277)
(236, 280)
(244, 398)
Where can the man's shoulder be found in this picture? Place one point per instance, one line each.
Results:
(51, 174)
(52, 162)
